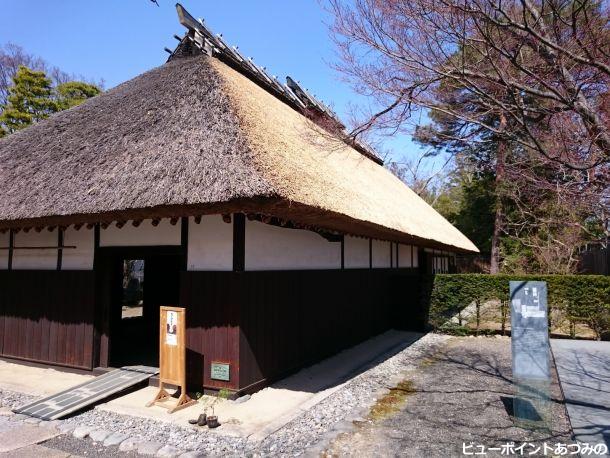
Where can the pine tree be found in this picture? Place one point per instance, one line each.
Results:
(74, 93)
(30, 100)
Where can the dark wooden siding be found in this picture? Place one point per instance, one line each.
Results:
(297, 318)
(212, 321)
(595, 261)
(267, 324)
(47, 316)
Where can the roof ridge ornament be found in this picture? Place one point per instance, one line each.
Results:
(200, 39)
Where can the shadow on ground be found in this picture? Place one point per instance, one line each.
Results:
(460, 395)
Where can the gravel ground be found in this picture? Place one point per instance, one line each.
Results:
(307, 433)
(452, 390)
(454, 397)
(85, 448)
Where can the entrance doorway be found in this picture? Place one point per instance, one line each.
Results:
(140, 280)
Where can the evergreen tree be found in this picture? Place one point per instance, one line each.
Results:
(74, 93)
(30, 100)
(32, 97)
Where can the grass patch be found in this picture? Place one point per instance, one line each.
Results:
(392, 401)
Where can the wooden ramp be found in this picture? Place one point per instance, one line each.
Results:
(80, 396)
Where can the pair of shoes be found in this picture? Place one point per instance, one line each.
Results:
(201, 421)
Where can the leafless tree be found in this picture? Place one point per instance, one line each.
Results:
(541, 64)
(425, 173)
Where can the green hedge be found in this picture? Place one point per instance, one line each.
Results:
(580, 299)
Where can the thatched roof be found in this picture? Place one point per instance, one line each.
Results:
(195, 136)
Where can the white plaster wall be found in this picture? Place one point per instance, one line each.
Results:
(356, 253)
(382, 257)
(210, 245)
(404, 256)
(415, 257)
(4, 253)
(81, 257)
(144, 235)
(35, 259)
(275, 248)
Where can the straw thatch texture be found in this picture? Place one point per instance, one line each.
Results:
(166, 137)
(197, 133)
(307, 166)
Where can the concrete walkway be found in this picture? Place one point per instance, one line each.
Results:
(584, 372)
(20, 440)
(37, 381)
(273, 407)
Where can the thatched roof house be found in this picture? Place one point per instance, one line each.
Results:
(196, 136)
(237, 198)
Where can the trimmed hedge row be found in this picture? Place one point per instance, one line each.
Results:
(583, 299)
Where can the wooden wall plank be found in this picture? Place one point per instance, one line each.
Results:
(269, 323)
(47, 316)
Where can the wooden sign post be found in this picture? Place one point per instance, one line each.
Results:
(172, 358)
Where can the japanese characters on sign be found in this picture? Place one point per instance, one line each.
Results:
(530, 336)
(171, 328)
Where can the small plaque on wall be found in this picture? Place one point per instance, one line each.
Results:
(220, 371)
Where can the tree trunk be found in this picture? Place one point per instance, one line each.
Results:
(494, 264)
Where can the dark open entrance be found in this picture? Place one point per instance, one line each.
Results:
(139, 280)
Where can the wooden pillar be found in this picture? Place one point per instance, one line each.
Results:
(184, 242)
(239, 242)
(11, 244)
(100, 328)
(60, 244)
(397, 260)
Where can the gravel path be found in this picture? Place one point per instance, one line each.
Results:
(307, 433)
(455, 397)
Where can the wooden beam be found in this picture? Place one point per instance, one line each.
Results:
(39, 247)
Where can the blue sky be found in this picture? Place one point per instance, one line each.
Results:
(119, 39)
